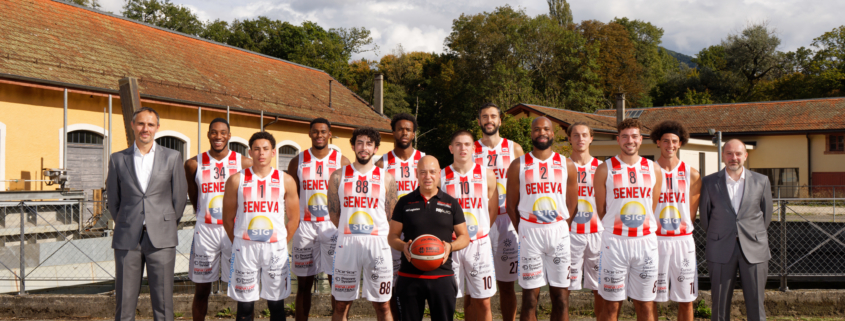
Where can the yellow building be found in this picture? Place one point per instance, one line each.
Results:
(794, 143)
(55, 54)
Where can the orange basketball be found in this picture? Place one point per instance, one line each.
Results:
(427, 252)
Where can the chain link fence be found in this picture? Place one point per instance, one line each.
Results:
(50, 244)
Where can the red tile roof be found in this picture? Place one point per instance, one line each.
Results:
(55, 41)
(757, 117)
(568, 117)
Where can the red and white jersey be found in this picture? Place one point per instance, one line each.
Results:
(314, 176)
(673, 212)
(629, 198)
(362, 197)
(211, 179)
(261, 207)
(404, 172)
(470, 190)
(497, 159)
(542, 189)
(586, 219)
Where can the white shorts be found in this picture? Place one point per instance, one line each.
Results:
(253, 261)
(313, 248)
(585, 260)
(397, 260)
(367, 256)
(677, 270)
(209, 250)
(628, 267)
(543, 255)
(505, 249)
(473, 267)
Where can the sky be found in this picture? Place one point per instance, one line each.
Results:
(689, 25)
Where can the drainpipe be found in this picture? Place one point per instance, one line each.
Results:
(809, 164)
(620, 107)
(64, 139)
(262, 120)
(199, 131)
(272, 122)
(378, 93)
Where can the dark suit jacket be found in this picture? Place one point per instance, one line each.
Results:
(724, 226)
(161, 206)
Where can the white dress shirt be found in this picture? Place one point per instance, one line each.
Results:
(735, 189)
(144, 166)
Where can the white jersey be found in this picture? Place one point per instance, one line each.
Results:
(586, 219)
(362, 197)
(673, 212)
(470, 190)
(211, 180)
(314, 176)
(497, 159)
(629, 198)
(261, 207)
(542, 189)
(404, 172)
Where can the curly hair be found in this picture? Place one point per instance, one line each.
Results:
(366, 131)
(630, 123)
(262, 135)
(402, 116)
(670, 127)
(580, 123)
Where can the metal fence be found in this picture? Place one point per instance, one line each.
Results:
(55, 243)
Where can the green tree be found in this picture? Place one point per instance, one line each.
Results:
(752, 53)
(164, 14)
(619, 69)
(692, 97)
(560, 11)
(646, 39)
(88, 3)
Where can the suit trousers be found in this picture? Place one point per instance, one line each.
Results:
(723, 281)
(129, 265)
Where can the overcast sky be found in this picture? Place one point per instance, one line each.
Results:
(689, 25)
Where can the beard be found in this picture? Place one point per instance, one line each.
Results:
(491, 132)
(363, 161)
(318, 147)
(218, 150)
(541, 145)
(734, 167)
(400, 145)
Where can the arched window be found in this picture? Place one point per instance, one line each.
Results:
(84, 137)
(239, 148)
(172, 143)
(286, 154)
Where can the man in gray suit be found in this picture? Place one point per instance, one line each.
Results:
(147, 195)
(735, 211)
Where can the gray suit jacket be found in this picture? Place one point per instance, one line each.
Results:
(161, 206)
(724, 226)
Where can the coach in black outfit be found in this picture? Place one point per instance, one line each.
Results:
(427, 210)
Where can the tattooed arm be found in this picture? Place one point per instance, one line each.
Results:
(334, 198)
(390, 195)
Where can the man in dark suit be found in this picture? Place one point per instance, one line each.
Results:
(147, 194)
(735, 211)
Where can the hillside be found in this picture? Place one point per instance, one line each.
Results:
(682, 58)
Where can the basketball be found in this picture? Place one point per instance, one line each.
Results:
(427, 252)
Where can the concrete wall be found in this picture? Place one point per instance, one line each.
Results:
(33, 120)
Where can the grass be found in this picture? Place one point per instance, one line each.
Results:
(225, 313)
(458, 315)
(290, 309)
(178, 314)
(266, 313)
(701, 310)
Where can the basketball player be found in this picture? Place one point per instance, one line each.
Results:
(206, 181)
(585, 230)
(626, 195)
(360, 197)
(474, 186)
(542, 198)
(401, 162)
(260, 208)
(677, 270)
(496, 153)
(314, 241)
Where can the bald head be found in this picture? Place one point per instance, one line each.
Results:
(541, 120)
(428, 174)
(734, 155)
(542, 133)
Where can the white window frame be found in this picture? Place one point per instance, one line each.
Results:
(73, 128)
(236, 139)
(286, 143)
(180, 136)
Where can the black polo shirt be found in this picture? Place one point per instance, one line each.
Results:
(436, 216)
